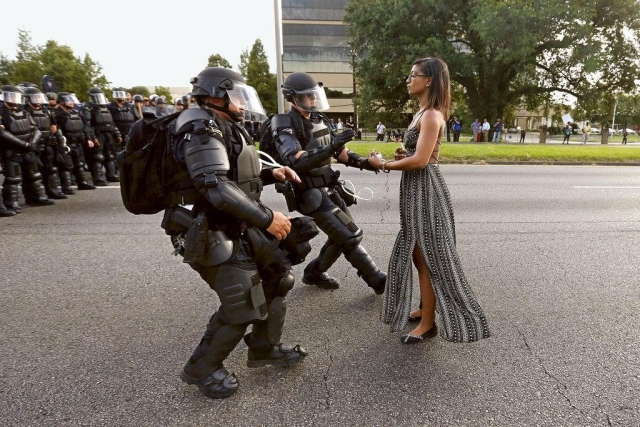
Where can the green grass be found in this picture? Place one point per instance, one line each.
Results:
(472, 153)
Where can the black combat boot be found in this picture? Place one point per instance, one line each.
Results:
(217, 385)
(360, 259)
(261, 353)
(315, 273)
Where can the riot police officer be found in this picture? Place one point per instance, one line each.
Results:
(303, 141)
(7, 142)
(122, 113)
(20, 167)
(234, 241)
(51, 142)
(96, 113)
(78, 134)
(138, 105)
(161, 106)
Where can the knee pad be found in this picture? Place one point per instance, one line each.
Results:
(337, 225)
(285, 285)
(353, 241)
(98, 157)
(53, 170)
(240, 291)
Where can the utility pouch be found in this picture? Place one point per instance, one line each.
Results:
(196, 239)
(289, 192)
(177, 219)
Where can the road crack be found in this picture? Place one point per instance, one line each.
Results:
(562, 389)
(387, 200)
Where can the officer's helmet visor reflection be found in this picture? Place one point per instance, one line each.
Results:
(313, 99)
(246, 98)
(38, 98)
(13, 97)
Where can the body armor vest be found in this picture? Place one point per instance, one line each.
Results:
(20, 126)
(244, 159)
(43, 120)
(320, 136)
(74, 125)
(102, 118)
(122, 115)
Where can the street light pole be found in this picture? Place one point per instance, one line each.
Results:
(354, 55)
(615, 108)
(277, 12)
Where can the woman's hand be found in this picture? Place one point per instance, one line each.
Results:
(374, 160)
(400, 153)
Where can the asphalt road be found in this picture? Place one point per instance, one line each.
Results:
(97, 318)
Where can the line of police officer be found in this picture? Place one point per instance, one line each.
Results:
(47, 141)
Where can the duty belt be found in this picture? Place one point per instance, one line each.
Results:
(327, 179)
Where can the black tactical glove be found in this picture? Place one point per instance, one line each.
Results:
(342, 138)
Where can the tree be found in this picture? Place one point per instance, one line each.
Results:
(502, 52)
(218, 61)
(164, 91)
(255, 69)
(139, 90)
(70, 73)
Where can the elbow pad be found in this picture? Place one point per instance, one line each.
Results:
(226, 196)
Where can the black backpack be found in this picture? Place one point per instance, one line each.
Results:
(147, 166)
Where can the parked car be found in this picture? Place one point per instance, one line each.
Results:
(513, 130)
(612, 132)
(629, 131)
(595, 131)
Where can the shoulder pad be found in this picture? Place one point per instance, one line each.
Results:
(190, 115)
(280, 121)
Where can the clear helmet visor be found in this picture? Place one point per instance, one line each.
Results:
(313, 99)
(71, 98)
(13, 97)
(38, 98)
(99, 98)
(119, 94)
(246, 97)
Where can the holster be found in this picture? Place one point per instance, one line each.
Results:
(349, 199)
(177, 220)
(289, 192)
(196, 239)
(203, 246)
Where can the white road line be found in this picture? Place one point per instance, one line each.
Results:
(607, 187)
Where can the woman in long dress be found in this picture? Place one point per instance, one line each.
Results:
(427, 234)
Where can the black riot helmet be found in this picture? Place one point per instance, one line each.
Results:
(96, 96)
(302, 90)
(138, 98)
(13, 96)
(224, 83)
(35, 96)
(119, 94)
(67, 100)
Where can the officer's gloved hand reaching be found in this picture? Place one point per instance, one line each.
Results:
(342, 138)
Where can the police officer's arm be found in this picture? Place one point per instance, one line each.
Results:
(355, 160)
(291, 152)
(208, 164)
(9, 141)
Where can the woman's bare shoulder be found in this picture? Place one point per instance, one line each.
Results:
(432, 117)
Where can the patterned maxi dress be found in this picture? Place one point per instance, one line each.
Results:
(426, 216)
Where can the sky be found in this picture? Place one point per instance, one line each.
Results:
(143, 43)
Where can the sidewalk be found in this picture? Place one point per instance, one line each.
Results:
(534, 138)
